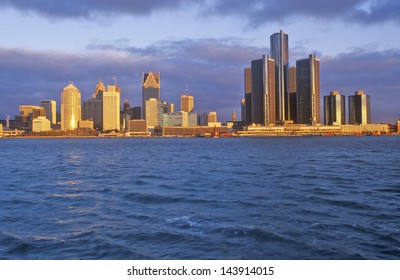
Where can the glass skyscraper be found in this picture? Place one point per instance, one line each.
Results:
(280, 53)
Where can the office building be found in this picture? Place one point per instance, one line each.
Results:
(263, 91)
(187, 103)
(176, 119)
(150, 89)
(70, 107)
(292, 94)
(51, 110)
(168, 108)
(359, 108)
(154, 112)
(41, 124)
(334, 109)
(93, 108)
(112, 108)
(308, 91)
(279, 49)
(243, 110)
(247, 96)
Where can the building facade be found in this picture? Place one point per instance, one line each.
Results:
(280, 54)
(359, 108)
(70, 107)
(41, 124)
(51, 110)
(154, 112)
(112, 108)
(334, 109)
(247, 96)
(150, 89)
(263, 91)
(308, 91)
(187, 103)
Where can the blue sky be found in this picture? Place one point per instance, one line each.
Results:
(204, 44)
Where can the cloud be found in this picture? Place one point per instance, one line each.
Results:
(212, 69)
(283, 11)
(255, 12)
(375, 72)
(89, 9)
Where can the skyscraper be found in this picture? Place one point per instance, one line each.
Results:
(70, 107)
(280, 54)
(292, 94)
(111, 108)
(359, 108)
(334, 109)
(51, 110)
(247, 96)
(187, 103)
(154, 112)
(308, 91)
(263, 91)
(93, 108)
(150, 89)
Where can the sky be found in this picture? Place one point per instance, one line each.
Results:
(201, 45)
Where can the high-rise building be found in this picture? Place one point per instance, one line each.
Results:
(243, 110)
(154, 112)
(292, 94)
(247, 96)
(280, 54)
(212, 117)
(150, 89)
(263, 91)
(168, 107)
(187, 103)
(93, 108)
(334, 109)
(308, 91)
(70, 107)
(27, 114)
(359, 108)
(111, 108)
(51, 110)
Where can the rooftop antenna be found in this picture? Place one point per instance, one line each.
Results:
(7, 121)
(115, 80)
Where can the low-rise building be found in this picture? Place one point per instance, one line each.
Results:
(41, 124)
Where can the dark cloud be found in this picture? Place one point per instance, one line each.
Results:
(89, 9)
(282, 11)
(212, 69)
(255, 12)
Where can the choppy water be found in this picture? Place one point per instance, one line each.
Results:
(247, 198)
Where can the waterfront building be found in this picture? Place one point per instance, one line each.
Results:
(51, 110)
(187, 103)
(93, 108)
(243, 110)
(138, 127)
(308, 91)
(70, 107)
(334, 109)
(112, 108)
(154, 112)
(176, 119)
(263, 91)
(150, 89)
(192, 119)
(359, 108)
(212, 120)
(234, 116)
(85, 124)
(292, 93)
(247, 96)
(41, 124)
(398, 126)
(279, 49)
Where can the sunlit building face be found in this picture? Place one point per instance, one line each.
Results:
(70, 107)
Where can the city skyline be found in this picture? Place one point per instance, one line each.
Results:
(351, 39)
